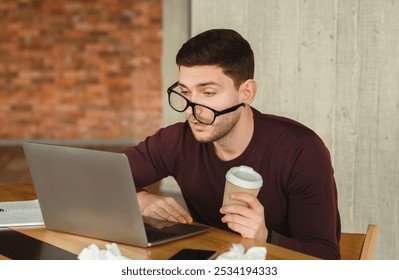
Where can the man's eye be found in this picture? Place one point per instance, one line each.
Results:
(209, 93)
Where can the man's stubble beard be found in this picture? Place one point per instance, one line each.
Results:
(224, 128)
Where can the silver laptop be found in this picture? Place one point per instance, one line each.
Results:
(92, 193)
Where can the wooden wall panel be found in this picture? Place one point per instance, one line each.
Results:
(387, 136)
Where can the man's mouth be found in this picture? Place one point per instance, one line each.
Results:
(195, 124)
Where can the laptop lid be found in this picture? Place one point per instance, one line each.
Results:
(92, 193)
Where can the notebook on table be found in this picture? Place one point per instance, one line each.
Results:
(92, 193)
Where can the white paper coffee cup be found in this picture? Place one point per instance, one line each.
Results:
(241, 179)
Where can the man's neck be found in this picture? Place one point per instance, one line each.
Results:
(235, 143)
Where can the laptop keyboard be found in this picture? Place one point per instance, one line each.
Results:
(154, 235)
(159, 230)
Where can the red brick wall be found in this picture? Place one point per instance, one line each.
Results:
(80, 69)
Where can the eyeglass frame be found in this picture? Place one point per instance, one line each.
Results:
(216, 113)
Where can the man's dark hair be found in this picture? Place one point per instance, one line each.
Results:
(220, 47)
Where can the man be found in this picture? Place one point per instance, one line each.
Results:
(297, 205)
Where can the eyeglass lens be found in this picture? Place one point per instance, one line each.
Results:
(201, 113)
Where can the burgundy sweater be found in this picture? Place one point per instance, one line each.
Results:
(299, 193)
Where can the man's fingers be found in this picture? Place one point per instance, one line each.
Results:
(239, 224)
(175, 210)
(250, 199)
(186, 218)
(248, 221)
(165, 208)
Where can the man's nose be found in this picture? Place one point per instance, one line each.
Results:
(189, 111)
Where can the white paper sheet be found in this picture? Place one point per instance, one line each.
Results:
(20, 213)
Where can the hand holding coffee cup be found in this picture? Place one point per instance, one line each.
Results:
(241, 179)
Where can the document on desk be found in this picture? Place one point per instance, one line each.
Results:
(20, 213)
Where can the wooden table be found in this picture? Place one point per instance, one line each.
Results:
(213, 239)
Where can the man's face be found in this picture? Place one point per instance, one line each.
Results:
(209, 86)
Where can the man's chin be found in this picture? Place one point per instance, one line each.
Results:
(201, 138)
(203, 133)
(200, 134)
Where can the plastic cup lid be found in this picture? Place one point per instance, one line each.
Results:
(244, 176)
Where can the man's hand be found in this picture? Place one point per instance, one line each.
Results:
(162, 207)
(248, 221)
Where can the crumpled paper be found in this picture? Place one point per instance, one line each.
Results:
(237, 252)
(92, 252)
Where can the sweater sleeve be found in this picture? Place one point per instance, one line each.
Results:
(313, 215)
(153, 159)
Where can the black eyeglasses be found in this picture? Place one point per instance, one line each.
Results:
(201, 113)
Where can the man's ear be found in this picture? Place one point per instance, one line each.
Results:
(248, 91)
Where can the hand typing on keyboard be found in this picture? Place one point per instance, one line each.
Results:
(162, 207)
